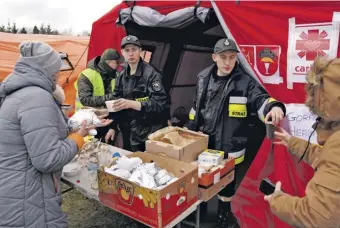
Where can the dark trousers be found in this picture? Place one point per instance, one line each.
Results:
(127, 145)
(255, 139)
(240, 171)
(101, 133)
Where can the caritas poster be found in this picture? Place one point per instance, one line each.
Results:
(305, 43)
(280, 41)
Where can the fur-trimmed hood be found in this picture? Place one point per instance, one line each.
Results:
(323, 95)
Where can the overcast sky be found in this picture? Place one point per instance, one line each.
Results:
(60, 14)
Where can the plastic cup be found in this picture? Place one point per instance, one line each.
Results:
(109, 106)
(270, 129)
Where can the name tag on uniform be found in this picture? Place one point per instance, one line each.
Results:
(238, 107)
(142, 99)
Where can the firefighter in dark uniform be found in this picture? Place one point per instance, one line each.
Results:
(225, 97)
(141, 102)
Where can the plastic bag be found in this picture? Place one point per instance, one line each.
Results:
(77, 119)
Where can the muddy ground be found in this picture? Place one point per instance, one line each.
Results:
(86, 213)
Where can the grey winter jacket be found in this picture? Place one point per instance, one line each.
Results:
(33, 150)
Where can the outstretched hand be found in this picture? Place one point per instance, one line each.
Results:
(282, 137)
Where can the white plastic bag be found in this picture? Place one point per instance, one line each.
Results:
(77, 119)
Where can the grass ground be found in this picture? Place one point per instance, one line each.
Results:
(87, 213)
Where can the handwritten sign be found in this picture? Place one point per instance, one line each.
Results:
(299, 121)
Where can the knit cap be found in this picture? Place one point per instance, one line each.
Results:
(43, 55)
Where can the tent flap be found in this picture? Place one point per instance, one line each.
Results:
(146, 16)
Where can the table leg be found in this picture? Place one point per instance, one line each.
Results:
(67, 190)
(198, 216)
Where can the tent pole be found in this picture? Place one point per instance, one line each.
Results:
(241, 57)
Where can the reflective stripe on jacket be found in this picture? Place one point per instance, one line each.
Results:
(97, 84)
(242, 96)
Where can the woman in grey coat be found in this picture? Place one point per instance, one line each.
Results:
(35, 142)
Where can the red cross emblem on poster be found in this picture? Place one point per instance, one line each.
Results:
(312, 44)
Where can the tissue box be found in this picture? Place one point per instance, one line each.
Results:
(154, 208)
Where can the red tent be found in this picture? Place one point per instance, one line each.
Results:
(278, 40)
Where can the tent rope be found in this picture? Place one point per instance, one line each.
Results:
(68, 77)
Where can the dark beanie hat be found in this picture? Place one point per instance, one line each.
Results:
(111, 54)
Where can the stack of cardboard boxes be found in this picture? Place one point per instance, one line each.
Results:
(196, 152)
(181, 152)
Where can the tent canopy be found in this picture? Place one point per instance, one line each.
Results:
(74, 46)
(181, 46)
(177, 41)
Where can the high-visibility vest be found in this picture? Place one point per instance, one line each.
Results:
(97, 84)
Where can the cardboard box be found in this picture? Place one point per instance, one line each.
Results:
(186, 153)
(206, 194)
(151, 207)
(208, 179)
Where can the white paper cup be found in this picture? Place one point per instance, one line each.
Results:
(109, 106)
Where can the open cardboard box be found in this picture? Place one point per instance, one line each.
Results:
(220, 182)
(210, 184)
(209, 179)
(155, 208)
(187, 153)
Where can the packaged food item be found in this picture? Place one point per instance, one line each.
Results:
(88, 115)
(210, 157)
(147, 175)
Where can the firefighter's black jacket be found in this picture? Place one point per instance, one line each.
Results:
(242, 96)
(146, 87)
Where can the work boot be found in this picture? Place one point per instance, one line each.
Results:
(203, 211)
(225, 218)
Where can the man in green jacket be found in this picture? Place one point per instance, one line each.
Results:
(95, 85)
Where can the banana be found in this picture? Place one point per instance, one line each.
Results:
(149, 199)
(152, 197)
(146, 203)
(145, 195)
(106, 183)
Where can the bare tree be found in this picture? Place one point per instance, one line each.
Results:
(68, 31)
(85, 33)
(14, 29)
(48, 29)
(9, 28)
(42, 29)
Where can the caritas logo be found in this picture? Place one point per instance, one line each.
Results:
(313, 44)
(310, 45)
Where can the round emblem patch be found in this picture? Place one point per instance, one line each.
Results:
(157, 86)
(128, 38)
(226, 42)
